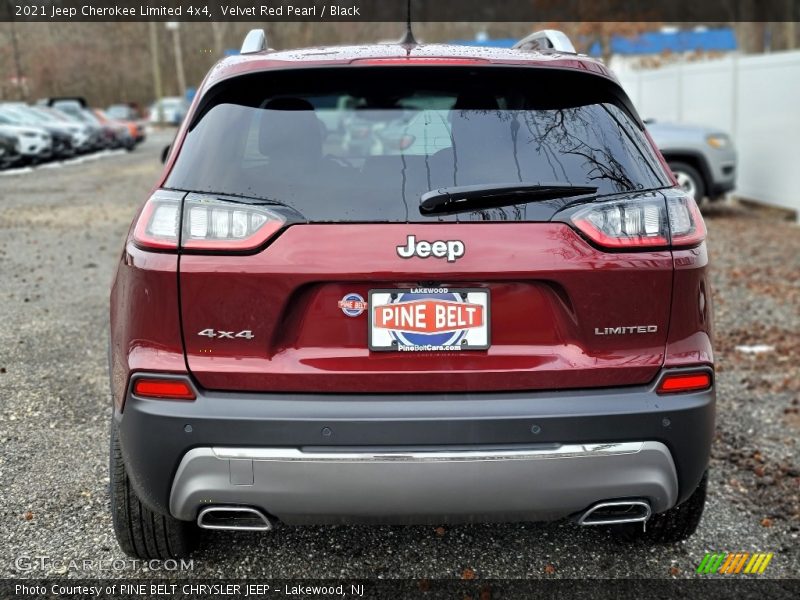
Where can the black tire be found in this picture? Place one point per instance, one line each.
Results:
(141, 532)
(675, 525)
(689, 175)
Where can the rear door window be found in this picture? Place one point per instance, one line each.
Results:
(363, 144)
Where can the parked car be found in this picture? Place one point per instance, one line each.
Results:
(170, 110)
(76, 109)
(62, 135)
(512, 325)
(82, 134)
(62, 102)
(109, 133)
(124, 132)
(9, 149)
(129, 113)
(124, 112)
(703, 159)
(35, 144)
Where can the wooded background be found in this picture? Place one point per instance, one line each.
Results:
(111, 62)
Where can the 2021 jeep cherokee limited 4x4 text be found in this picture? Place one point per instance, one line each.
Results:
(371, 277)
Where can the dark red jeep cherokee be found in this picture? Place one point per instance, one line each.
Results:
(370, 278)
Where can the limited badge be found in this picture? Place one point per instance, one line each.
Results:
(353, 304)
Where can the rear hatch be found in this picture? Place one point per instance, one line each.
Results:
(352, 288)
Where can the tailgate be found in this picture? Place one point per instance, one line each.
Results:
(561, 314)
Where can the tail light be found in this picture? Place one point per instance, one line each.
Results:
(675, 383)
(157, 226)
(208, 223)
(642, 223)
(164, 389)
(213, 224)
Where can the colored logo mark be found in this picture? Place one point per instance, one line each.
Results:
(352, 304)
(729, 563)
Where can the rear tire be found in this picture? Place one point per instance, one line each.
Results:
(675, 525)
(141, 532)
(690, 180)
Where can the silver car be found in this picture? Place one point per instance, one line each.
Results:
(703, 159)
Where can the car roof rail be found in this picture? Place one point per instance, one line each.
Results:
(254, 41)
(546, 40)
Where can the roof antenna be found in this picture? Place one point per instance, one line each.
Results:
(408, 37)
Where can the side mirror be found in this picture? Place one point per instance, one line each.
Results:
(165, 153)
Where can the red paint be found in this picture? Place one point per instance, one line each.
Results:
(145, 326)
(550, 289)
(414, 60)
(691, 316)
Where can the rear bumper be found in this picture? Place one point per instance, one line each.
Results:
(722, 167)
(719, 188)
(532, 483)
(180, 455)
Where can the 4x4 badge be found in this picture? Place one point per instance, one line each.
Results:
(452, 249)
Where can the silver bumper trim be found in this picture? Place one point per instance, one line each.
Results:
(296, 454)
(408, 485)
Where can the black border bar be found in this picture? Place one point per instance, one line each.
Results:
(705, 587)
(534, 11)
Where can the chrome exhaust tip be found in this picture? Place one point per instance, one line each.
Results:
(233, 518)
(616, 512)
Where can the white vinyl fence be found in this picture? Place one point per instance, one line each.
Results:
(754, 98)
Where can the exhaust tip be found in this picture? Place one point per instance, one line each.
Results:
(233, 518)
(616, 512)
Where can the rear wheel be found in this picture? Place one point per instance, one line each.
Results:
(690, 180)
(675, 525)
(141, 532)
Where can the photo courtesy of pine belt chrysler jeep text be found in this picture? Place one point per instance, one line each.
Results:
(370, 277)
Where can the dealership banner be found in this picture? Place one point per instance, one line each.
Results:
(672, 11)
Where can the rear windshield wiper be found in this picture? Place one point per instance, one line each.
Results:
(462, 198)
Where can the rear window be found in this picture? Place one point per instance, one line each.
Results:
(363, 144)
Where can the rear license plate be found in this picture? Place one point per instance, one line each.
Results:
(428, 319)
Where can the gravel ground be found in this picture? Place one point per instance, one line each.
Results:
(60, 232)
